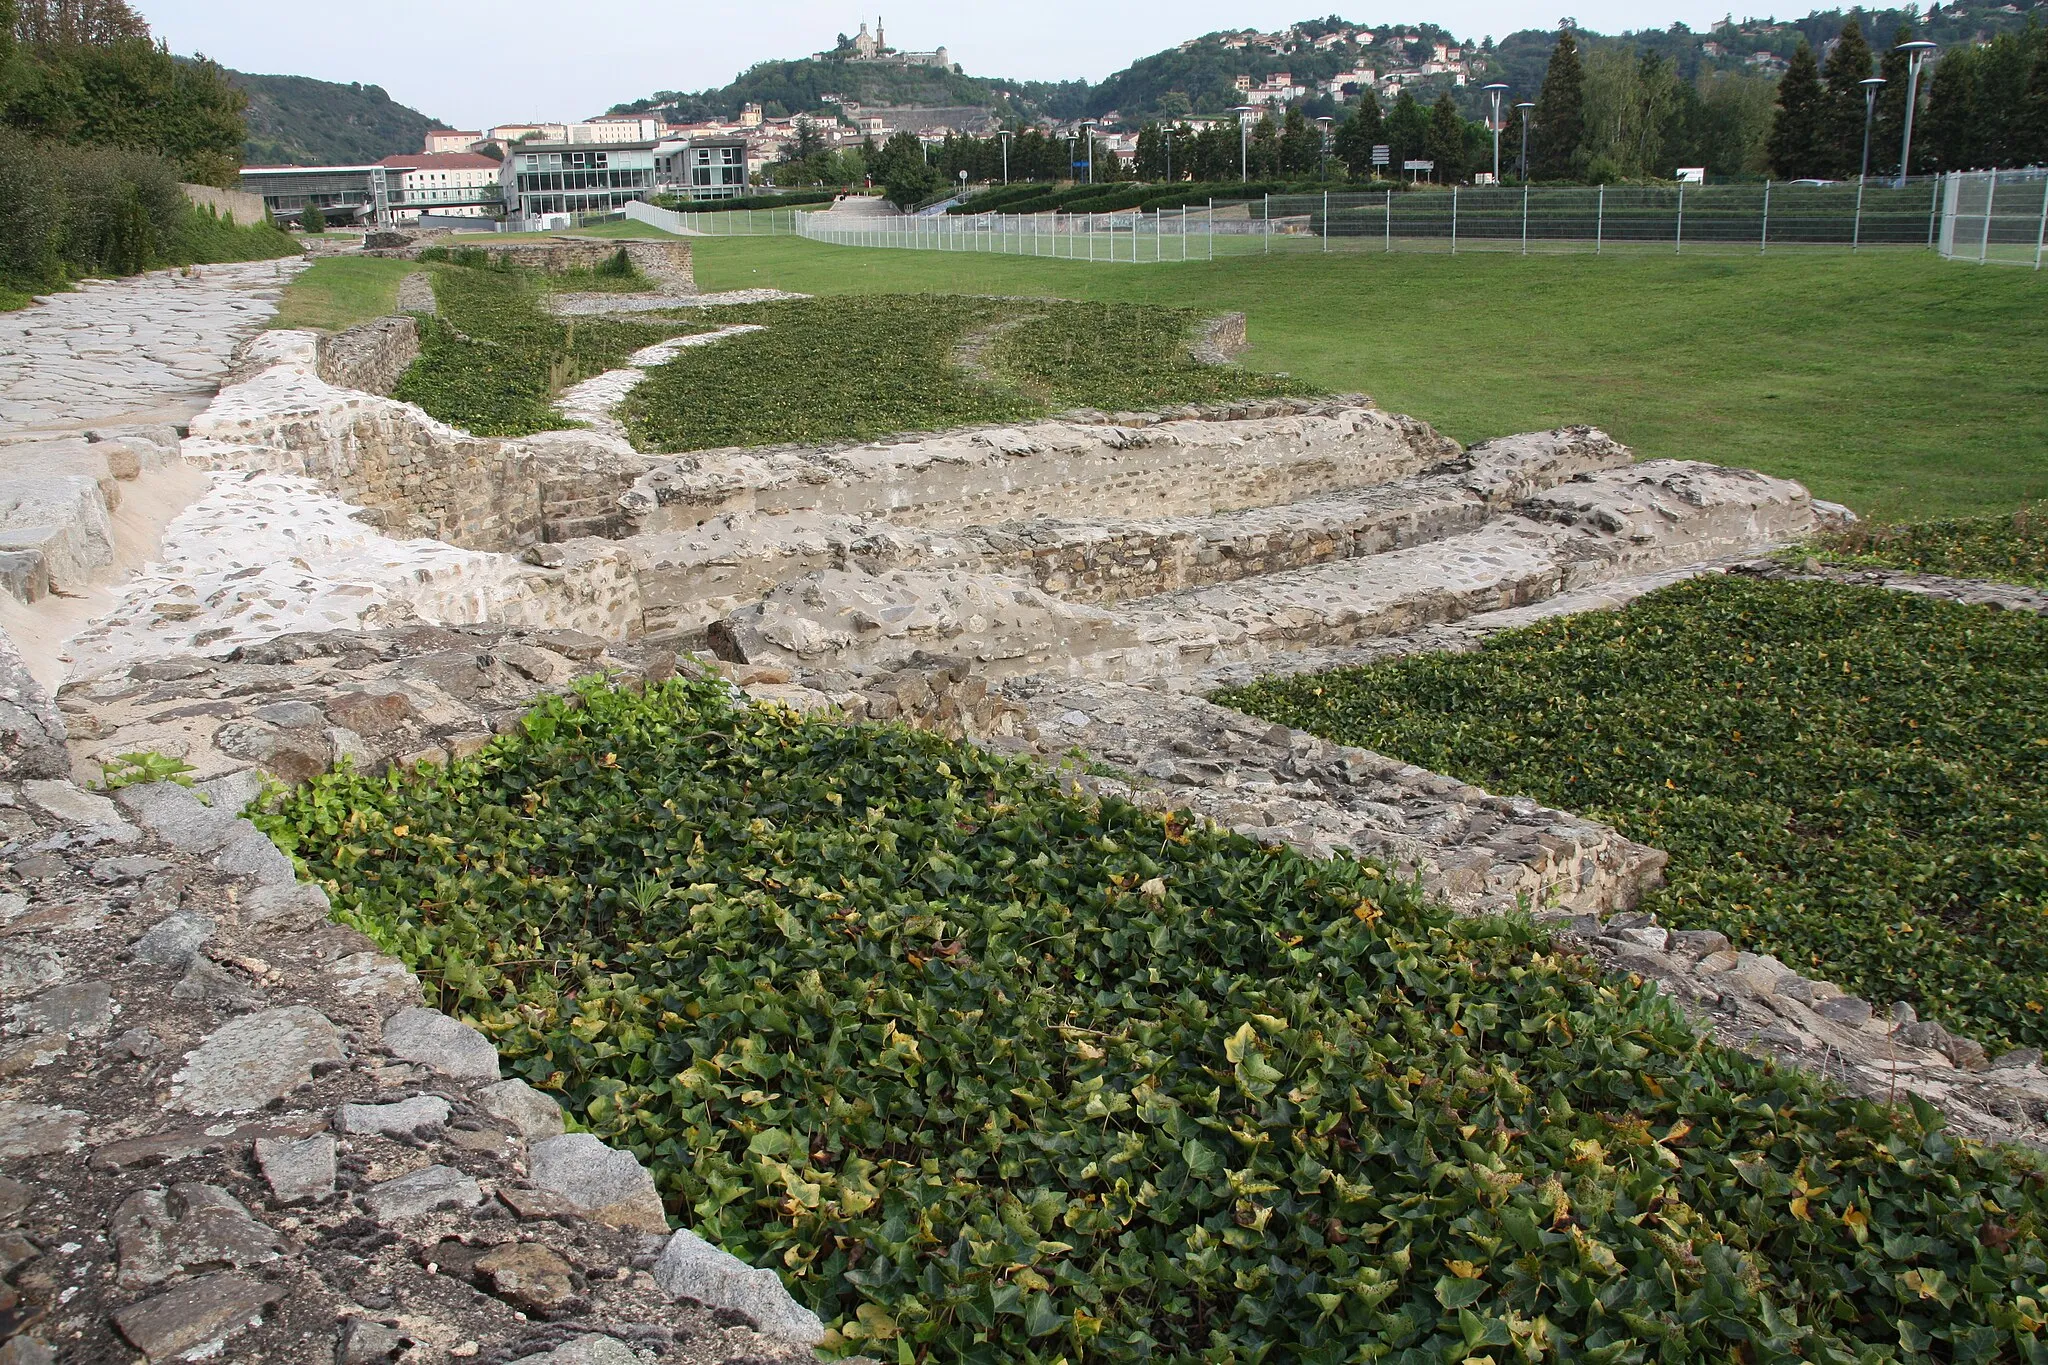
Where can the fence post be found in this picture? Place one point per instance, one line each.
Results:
(1326, 220)
(1856, 232)
(1599, 219)
(1390, 220)
(1990, 196)
(1454, 220)
(1764, 242)
(2041, 232)
(1525, 217)
(1269, 224)
(1933, 206)
(1678, 243)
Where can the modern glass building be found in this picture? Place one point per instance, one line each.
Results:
(344, 193)
(703, 167)
(558, 177)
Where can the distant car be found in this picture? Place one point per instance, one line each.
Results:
(1811, 182)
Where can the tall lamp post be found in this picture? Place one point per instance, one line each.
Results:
(1494, 123)
(1244, 155)
(1168, 133)
(1871, 85)
(1088, 131)
(1070, 156)
(1525, 106)
(1004, 134)
(1916, 56)
(1324, 121)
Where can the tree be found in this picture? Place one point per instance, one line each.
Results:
(1847, 66)
(2034, 109)
(809, 141)
(1407, 131)
(1301, 146)
(1359, 134)
(1798, 144)
(1888, 127)
(1558, 123)
(313, 220)
(1445, 140)
(905, 176)
(1947, 138)
(1149, 162)
(1263, 153)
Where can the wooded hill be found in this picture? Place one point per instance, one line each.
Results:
(298, 121)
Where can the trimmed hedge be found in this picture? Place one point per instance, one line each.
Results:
(1852, 779)
(988, 1074)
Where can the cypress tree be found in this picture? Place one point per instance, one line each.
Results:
(1359, 134)
(1407, 131)
(1797, 145)
(313, 220)
(2034, 113)
(1948, 136)
(1558, 122)
(1848, 64)
(1446, 139)
(1301, 146)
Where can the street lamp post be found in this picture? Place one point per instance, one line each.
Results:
(1916, 55)
(1088, 131)
(1325, 120)
(1494, 123)
(1004, 134)
(1168, 132)
(1070, 156)
(1244, 156)
(1871, 85)
(1525, 106)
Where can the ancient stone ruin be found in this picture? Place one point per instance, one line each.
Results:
(225, 1119)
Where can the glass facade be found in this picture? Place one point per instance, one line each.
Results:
(580, 180)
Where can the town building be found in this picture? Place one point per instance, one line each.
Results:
(541, 178)
(615, 128)
(447, 184)
(440, 140)
(345, 194)
(703, 167)
(866, 47)
(505, 134)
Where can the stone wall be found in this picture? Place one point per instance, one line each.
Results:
(1180, 462)
(425, 477)
(371, 356)
(245, 209)
(667, 261)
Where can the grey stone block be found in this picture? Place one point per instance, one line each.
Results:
(83, 1009)
(74, 806)
(422, 1192)
(177, 816)
(1847, 1010)
(297, 1168)
(606, 1184)
(195, 1316)
(587, 1350)
(536, 1116)
(248, 1062)
(432, 1039)
(401, 1116)
(692, 1268)
(172, 940)
(246, 852)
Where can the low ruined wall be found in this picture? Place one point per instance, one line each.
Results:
(425, 477)
(1189, 464)
(371, 356)
(245, 209)
(666, 261)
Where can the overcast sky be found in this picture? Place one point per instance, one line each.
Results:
(514, 60)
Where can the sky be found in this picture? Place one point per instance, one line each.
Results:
(529, 60)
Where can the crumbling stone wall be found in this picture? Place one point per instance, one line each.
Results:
(666, 260)
(371, 356)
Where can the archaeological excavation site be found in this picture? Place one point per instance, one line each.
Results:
(542, 881)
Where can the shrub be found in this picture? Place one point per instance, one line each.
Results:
(313, 219)
(987, 1073)
(1855, 780)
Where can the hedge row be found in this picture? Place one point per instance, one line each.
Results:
(1852, 779)
(69, 212)
(990, 1074)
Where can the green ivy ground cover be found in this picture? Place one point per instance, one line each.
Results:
(861, 366)
(2013, 549)
(987, 1073)
(492, 359)
(1855, 780)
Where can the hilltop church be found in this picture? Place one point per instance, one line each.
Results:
(866, 47)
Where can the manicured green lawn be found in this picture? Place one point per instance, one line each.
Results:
(1900, 384)
(342, 291)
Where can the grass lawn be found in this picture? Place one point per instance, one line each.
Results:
(1852, 779)
(1900, 384)
(342, 291)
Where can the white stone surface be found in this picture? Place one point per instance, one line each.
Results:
(594, 400)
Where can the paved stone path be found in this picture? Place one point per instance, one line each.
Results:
(148, 349)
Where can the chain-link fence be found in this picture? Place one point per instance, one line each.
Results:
(1995, 217)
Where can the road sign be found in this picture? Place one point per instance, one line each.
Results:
(1382, 155)
(1418, 165)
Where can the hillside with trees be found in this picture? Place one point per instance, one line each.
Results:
(794, 87)
(298, 121)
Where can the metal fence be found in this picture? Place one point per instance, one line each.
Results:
(1944, 212)
(1995, 217)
